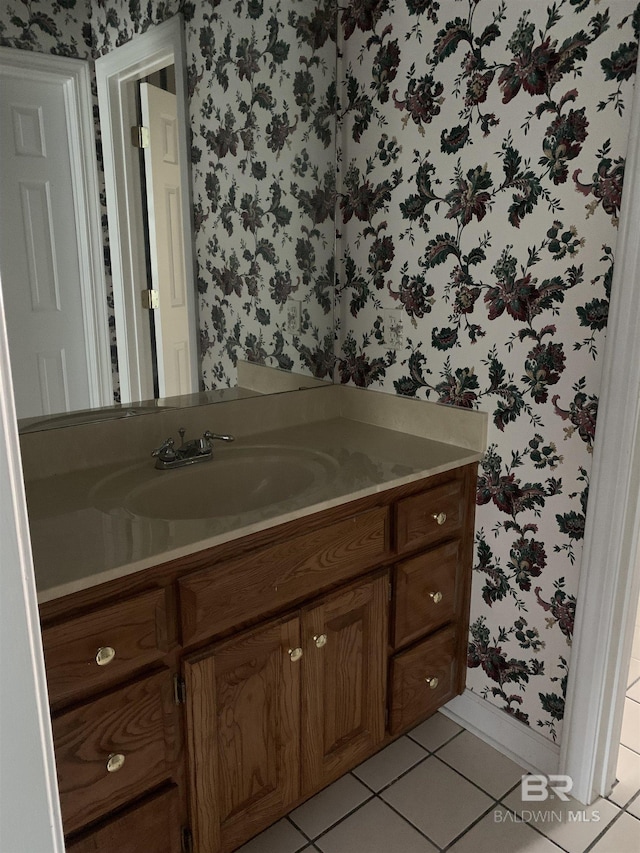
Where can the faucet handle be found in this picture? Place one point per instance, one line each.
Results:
(214, 436)
(165, 450)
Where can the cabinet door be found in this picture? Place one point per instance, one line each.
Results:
(243, 728)
(344, 680)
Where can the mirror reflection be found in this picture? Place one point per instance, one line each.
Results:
(259, 243)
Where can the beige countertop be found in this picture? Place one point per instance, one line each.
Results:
(79, 541)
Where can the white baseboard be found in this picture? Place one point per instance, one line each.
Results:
(512, 738)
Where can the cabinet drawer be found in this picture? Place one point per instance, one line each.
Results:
(430, 517)
(123, 637)
(137, 722)
(422, 679)
(152, 826)
(427, 589)
(262, 581)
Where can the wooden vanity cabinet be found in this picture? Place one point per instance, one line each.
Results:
(280, 711)
(114, 720)
(239, 681)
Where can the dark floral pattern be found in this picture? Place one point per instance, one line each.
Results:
(482, 163)
(262, 92)
(480, 175)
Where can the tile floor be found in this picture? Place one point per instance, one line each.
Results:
(440, 788)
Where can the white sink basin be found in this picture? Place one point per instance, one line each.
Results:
(237, 480)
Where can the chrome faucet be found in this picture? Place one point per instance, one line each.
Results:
(189, 452)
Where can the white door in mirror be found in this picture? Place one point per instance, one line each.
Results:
(162, 167)
(41, 277)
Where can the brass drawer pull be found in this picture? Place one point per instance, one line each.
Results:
(436, 597)
(295, 654)
(320, 640)
(105, 655)
(432, 682)
(440, 518)
(115, 762)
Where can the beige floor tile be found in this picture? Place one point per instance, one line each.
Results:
(570, 824)
(630, 735)
(628, 776)
(327, 807)
(499, 832)
(634, 807)
(635, 648)
(391, 762)
(623, 836)
(482, 764)
(633, 692)
(437, 800)
(634, 671)
(374, 828)
(279, 838)
(435, 731)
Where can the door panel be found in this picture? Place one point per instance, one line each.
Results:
(344, 684)
(243, 719)
(162, 167)
(39, 256)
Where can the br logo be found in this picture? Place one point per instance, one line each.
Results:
(538, 788)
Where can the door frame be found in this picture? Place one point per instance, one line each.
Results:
(160, 46)
(75, 78)
(29, 803)
(609, 582)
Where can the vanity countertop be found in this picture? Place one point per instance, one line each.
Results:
(367, 442)
(77, 545)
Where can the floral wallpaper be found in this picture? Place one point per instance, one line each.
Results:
(482, 156)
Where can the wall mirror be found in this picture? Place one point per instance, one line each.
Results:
(258, 246)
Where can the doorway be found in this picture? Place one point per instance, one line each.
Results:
(609, 584)
(118, 74)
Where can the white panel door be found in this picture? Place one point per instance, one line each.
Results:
(162, 167)
(39, 255)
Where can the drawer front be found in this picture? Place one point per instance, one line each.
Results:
(422, 679)
(425, 519)
(136, 722)
(152, 826)
(100, 648)
(427, 591)
(262, 581)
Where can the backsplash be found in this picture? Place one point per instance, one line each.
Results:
(483, 151)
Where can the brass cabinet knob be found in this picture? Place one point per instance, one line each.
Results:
(115, 762)
(440, 518)
(295, 654)
(432, 682)
(105, 655)
(320, 640)
(436, 597)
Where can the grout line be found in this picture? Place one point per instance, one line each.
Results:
(302, 832)
(475, 784)
(397, 778)
(412, 825)
(470, 827)
(532, 825)
(313, 839)
(604, 832)
(444, 743)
